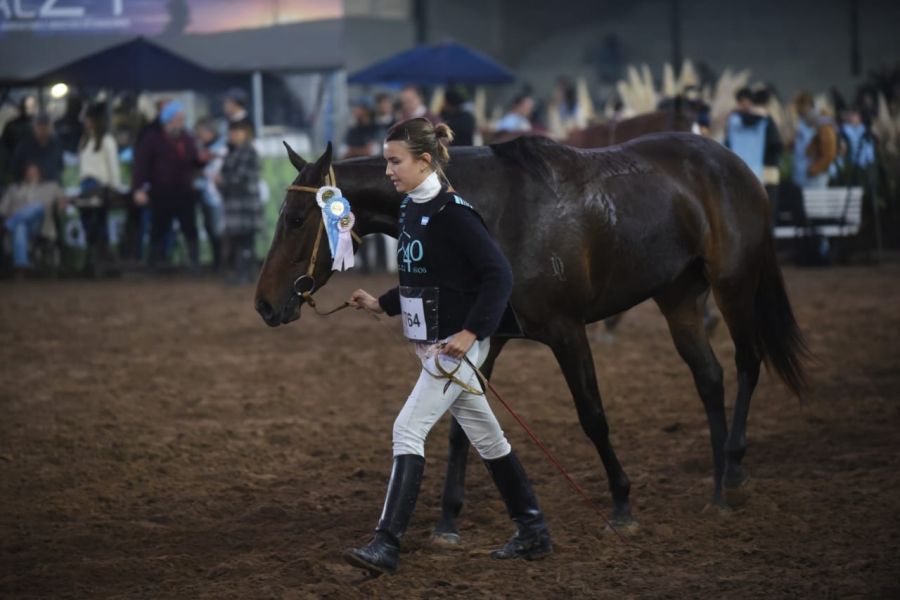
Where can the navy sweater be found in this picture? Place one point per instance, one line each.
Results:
(475, 279)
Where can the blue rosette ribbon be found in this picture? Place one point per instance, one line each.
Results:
(339, 222)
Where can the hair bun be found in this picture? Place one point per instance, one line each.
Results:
(442, 131)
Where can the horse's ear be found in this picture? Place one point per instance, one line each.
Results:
(324, 163)
(295, 158)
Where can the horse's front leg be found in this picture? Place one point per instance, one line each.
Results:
(455, 482)
(570, 346)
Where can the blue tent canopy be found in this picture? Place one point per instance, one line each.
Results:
(437, 64)
(138, 64)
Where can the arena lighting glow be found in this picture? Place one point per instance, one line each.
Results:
(59, 90)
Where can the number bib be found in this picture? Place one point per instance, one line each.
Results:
(419, 310)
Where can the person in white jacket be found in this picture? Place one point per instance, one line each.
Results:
(100, 177)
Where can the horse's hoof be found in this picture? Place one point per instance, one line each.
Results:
(442, 538)
(623, 523)
(737, 491)
(717, 508)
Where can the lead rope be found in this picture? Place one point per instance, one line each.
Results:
(486, 385)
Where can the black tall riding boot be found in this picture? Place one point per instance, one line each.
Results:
(383, 552)
(532, 539)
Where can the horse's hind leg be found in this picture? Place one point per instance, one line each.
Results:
(736, 304)
(683, 305)
(570, 345)
(446, 530)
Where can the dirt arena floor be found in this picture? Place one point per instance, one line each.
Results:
(157, 440)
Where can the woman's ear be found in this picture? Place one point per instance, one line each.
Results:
(427, 158)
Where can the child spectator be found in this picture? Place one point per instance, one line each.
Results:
(239, 184)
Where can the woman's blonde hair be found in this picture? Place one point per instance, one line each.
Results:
(422, 137)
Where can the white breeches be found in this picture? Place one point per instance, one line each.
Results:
(428, 402)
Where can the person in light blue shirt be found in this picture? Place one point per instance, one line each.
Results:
(518, 118)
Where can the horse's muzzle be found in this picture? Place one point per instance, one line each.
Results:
(273, 318)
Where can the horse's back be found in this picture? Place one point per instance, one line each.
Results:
(724, 199)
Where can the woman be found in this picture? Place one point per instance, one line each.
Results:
(100, 177)
(454, 288)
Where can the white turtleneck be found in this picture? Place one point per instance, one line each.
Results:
(426, 190)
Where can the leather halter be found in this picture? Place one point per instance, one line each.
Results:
(330, 180)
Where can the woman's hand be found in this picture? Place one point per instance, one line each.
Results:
(362, 299)
(141, 198)
(459, 344)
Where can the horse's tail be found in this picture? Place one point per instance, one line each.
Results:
(779, 340)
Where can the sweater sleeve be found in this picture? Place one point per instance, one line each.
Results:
(390, 301)
(466, 233)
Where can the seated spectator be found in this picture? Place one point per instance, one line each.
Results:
(27, 212)
(239, 184)
(41, 148)
(461, 121)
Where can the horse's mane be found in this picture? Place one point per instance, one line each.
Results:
(535, 155)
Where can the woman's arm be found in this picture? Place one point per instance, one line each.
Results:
(111, 154)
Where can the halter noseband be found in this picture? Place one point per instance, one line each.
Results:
(309, 277)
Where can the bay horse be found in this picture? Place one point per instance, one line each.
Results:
(590, 233)
(614, 132)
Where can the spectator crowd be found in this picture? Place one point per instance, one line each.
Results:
(171, 183)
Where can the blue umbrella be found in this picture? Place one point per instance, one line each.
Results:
(438, 64)
(138, 64)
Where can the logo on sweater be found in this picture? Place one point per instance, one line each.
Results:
(409, 252)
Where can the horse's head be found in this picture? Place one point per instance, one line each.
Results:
(286, 274)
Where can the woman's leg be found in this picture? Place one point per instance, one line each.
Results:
(24, 225)
(429, 400)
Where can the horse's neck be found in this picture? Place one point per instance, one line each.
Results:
(375, 204)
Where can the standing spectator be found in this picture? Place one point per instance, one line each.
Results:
(384, 114)
(518, 117)
(362, 138)
(163, 177)
(461, 121)
(27, 212)
(41, 148)
(100, 178)
(412, 105)
(214, 146)
(15, 131)
(752, 134)
(234, 105)
(856, 150)
(564, 113)
(773, 147)
(815, 144)
(69, 127)
(745, 132)
(239, 184)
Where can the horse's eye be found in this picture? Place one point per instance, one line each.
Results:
(293, 221)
